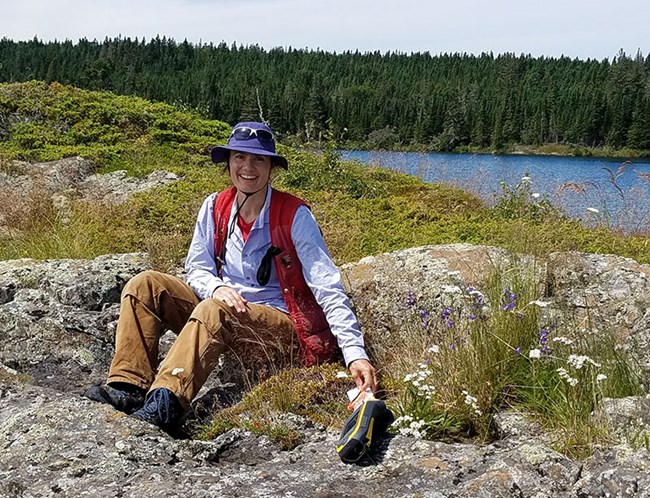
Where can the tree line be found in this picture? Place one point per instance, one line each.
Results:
(442, 101)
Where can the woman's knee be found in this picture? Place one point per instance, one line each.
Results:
(142, 285)
(210, 310)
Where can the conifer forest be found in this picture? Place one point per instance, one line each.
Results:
(383, 100)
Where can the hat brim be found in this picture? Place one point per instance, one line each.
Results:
(220, 154)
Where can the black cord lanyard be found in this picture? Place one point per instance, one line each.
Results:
(264, 271)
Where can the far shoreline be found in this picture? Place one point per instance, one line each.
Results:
(550, 150)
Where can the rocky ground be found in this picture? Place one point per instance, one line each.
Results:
(56, 325)
(57, 322)
(58, 444)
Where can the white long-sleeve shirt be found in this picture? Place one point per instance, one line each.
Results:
(243, 259)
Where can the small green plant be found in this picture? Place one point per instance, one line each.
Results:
(286, 438)
(638, 436)
(521, 202)
(318, 393)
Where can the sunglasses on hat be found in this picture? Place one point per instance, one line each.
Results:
(246, 133)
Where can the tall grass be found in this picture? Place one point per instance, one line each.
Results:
(452, 367)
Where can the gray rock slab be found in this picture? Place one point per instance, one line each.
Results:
(57, 444)
(57, 317)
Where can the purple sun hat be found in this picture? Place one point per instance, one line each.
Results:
(252, 138)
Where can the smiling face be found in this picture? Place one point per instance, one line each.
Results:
(249, 172)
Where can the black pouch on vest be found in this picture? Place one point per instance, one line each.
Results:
(365, 425)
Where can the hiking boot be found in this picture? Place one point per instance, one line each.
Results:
(161, 408)
(125, 397)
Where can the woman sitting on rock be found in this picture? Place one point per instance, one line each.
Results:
(258, 271)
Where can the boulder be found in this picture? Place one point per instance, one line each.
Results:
(64, 180)
(585, 292)
(116, 187)
(603, 293)
(383, 288)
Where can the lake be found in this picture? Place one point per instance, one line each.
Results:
(619, 190)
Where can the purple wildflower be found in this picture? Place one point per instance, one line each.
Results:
(446, 312)
(452, 347)
(411, 299)
(543, 336)
(425, 324)
(424, 314)
(518, 350)
(450, 323)
(472, 316)
(509, 301)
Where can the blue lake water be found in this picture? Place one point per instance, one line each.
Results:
(618, 189)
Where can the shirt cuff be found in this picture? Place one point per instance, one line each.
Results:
(352, 353)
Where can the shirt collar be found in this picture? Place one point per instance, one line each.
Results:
(263, 217)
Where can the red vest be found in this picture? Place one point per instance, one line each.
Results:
(317, 343)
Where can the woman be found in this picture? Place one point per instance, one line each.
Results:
(258, 270)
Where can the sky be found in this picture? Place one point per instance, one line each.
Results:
(595, 29)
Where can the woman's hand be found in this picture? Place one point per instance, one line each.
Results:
(231, 297)
(364, 375)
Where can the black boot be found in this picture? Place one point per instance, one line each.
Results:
(161, 408)
(125, 397)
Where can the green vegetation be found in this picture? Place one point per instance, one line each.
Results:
(362, 211)
(393, 100)
(316, 393)
(484, 352)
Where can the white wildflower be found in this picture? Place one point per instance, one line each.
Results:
(593, 210)
(565, 375)
(577, 361)
(535, 195)
(434, 349)
(451, 289)
(534, 353)
(407, 426)
(540, 304)
(341, 375)
(526, 179)
(601, 377)
(426, 391)
(563, 340)
(472, 402)
(417, 380)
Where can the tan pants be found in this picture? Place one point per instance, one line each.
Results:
(152, 301)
